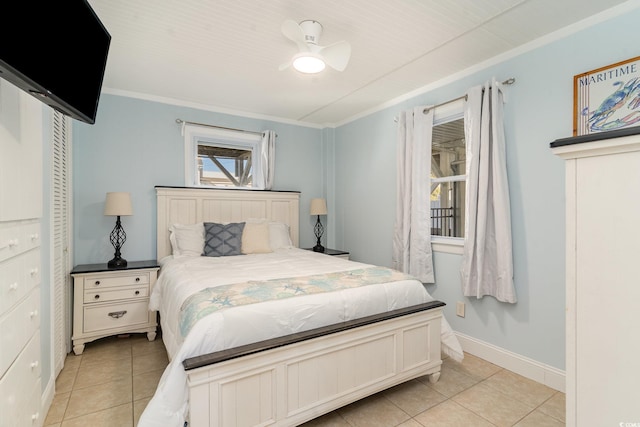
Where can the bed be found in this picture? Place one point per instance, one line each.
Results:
(274, 334)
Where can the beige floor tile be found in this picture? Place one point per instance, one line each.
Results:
(53, 425)
(450, 414)
(144, 385)
(118, 416)
(555, 407)
(149, 361)
(414, 397)
(97, 398)
(410, 423)
(72, 362)
(99, 351)
(65, 380)
(451, 382)
(332, 419)
(58, 408)
(473, 367)
(492, 405)
(138, 408)
(520, 388)
(91, 374)
(539, 419)
(375, 411)
(142, 345)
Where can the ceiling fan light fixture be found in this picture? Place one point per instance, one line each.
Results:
(308, 63)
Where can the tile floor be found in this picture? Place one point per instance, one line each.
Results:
(111, 382)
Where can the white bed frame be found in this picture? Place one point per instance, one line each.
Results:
(288, 381)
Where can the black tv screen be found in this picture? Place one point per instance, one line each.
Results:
(57, 52)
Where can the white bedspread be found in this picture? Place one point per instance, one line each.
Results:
(232, 327)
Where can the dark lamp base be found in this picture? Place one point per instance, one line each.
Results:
(117, 263)
(318, 248)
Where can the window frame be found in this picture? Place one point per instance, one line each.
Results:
(225, 138)
(443, 114)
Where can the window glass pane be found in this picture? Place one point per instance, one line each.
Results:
(448, 149)
(223, 166)
(447, 209)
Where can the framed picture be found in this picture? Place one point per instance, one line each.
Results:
(607, 98)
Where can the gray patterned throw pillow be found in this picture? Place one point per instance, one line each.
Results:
(223, 239)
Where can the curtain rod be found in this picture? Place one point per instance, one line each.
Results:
(217, 127)
(509, 81)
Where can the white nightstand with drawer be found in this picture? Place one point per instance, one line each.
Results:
(111, 301)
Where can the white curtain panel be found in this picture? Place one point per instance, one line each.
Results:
(264, 180)
(412, 230)
(487, 261)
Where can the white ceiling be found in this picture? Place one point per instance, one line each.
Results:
(224, 54)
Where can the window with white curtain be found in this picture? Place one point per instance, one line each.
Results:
(221, 157)
(448, 178)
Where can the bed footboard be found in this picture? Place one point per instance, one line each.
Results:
(293, 379)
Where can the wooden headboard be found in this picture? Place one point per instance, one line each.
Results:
(192, 205)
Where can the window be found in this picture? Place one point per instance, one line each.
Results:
(216, 157)
(448, 175)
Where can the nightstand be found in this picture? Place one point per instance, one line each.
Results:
(333, 252)
(114, 301)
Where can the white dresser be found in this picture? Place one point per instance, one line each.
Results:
(602, 279)
(20, 262)
(112, 301)
(20, 364)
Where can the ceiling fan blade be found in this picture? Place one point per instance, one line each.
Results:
(284, 66)
(337, 55)
(293, 32)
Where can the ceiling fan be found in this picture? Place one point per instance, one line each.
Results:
(312, 57)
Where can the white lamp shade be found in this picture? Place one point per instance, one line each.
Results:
(318, 207)
(118, 204)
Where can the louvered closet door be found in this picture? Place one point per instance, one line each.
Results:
(60, 227)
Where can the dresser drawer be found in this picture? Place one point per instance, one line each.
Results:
(17, 327)
(113, 280)
(115, 294)
(18, 237)
(114, 316)
(18, 276)
(16, 387)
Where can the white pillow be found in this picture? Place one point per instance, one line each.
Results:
(187, 240)
(255, 238)
(279, 236)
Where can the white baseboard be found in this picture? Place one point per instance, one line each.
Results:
(529, 368)
(46, 399)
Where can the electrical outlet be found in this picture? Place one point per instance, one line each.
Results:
(460, 308)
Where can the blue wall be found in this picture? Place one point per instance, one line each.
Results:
(538, 111)
(136, 145)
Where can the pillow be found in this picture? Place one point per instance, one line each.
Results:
(255, 238)
(279, 236)
(222, 239)
(186, 240)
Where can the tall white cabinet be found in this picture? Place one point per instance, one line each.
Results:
(602, 278)
(20, 261)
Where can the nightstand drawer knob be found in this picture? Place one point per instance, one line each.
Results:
(137, 279)
(137, 292)
(97, 282)
(97, 296)
(117, 314)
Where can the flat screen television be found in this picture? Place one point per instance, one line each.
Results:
(57, 52)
